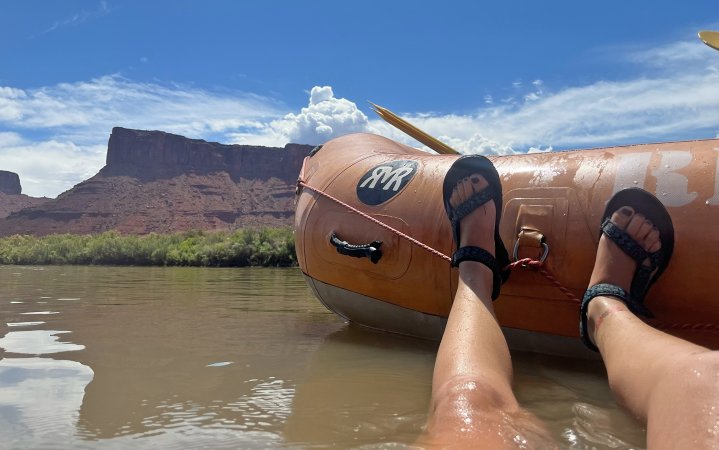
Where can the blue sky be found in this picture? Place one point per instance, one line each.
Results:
(486, 77)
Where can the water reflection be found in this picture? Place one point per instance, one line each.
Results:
(37, 342)
(39, 400)
(39, 397)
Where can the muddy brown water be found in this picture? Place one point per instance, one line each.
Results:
(115, 357)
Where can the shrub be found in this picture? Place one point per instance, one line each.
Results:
(244, 247)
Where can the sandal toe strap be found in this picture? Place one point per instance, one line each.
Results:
(643, 275)
(472, 203)
(624, 241)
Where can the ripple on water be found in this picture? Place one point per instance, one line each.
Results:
(593, 425)
(24, 324)
(260, 412)
(220, 364)
(270, 402)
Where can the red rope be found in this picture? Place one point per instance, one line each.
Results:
(524, 263)
(700, 327)
(529, 262)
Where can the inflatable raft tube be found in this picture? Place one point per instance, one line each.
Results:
(359, 194)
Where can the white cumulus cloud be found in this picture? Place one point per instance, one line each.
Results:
(325, 117)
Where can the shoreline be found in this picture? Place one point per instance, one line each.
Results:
(258, 247)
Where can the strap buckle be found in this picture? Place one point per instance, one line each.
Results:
(531, 238)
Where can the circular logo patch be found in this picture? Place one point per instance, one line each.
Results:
(384, 181)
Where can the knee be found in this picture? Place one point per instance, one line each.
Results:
(470, 394)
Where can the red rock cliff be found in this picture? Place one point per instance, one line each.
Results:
(11, 198)
(155, 154)
(159, 182)
(10, 183)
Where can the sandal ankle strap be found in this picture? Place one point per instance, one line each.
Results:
(601, 289)
(480, 255)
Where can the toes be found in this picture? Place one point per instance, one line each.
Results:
(478, 183)
(644, 229)
(466, 188)
(653, 241)
(622, 216)
(635, 226)
(462, 191)
(638, 227)
(457, 195)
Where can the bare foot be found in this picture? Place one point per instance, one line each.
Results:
(614, 266)
(476, 229)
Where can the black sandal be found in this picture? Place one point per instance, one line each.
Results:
(644, 277)
(461, 169)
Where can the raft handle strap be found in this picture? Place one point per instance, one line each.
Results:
(301, 184)
(370, 251)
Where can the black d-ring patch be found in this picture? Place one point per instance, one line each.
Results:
(384, 181)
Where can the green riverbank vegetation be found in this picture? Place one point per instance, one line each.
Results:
(247, 247)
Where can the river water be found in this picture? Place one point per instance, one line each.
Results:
(116, 357)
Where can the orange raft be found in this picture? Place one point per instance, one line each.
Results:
(373, 276)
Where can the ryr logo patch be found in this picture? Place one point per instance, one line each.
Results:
(384, 181)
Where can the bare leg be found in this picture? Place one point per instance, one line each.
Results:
(472, 400)
(670, 383)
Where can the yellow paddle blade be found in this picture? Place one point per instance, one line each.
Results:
(409, 129)
(710, 38)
